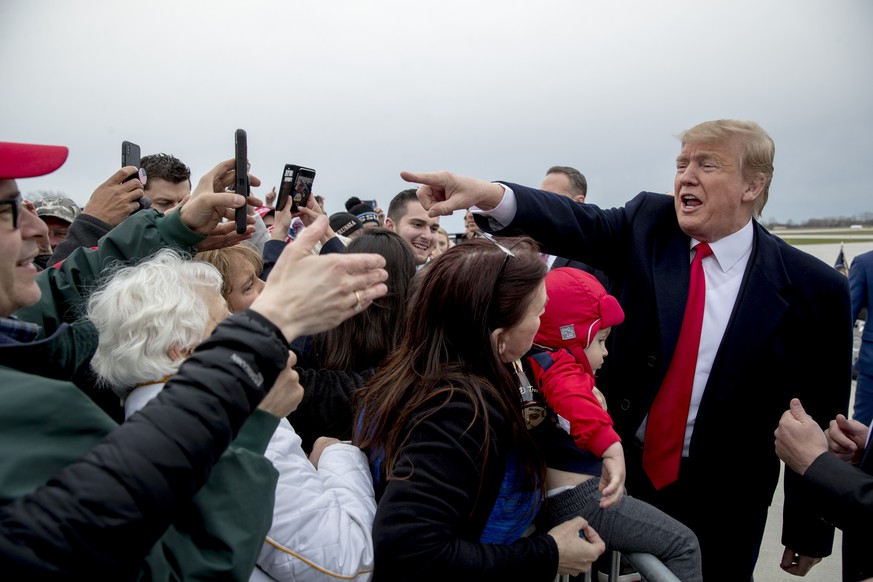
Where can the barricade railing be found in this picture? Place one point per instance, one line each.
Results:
(651, 569)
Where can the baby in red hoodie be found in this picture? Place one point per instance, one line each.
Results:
(584, 455)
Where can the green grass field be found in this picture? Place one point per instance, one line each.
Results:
(801, 240)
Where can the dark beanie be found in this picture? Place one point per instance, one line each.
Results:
(344, 223)
(365, 214)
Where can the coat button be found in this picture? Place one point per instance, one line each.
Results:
(625, 404)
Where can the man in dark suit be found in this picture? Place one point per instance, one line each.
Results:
(768, 308)
(836, 465)
(570, 182)
(861, 286)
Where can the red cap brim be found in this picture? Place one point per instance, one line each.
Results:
(24, 160)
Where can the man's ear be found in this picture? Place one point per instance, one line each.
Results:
(754, 188)
(580, 198)
(389, 224)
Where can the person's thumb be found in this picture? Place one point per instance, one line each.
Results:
(302, 245)
(797, 409)
(309, 236)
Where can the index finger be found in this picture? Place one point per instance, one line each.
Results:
(428, 178)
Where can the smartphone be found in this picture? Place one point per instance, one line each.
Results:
(296, 187)
(241, 181)
(130, 156)
(371, 203)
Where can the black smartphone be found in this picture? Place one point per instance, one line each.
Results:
(296, 187)
(130, 156)
(371, 203)
(241, 181)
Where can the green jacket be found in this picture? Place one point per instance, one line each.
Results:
(47, 424)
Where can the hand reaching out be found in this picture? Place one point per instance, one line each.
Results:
(441, 193)
(319, 446)
(612, 477)
(306, 294)
(114, 200)
(847, 439)
(285, 395)
(799, 439)
(575, 552)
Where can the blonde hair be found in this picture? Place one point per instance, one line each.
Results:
(757, 154)
(227, 259)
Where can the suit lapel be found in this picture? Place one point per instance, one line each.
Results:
(671, 269)
(758, 311)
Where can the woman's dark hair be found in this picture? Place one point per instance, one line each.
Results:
(363, 341)
(459, 299)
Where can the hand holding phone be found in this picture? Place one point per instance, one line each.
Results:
(241, 181)
(296, 187)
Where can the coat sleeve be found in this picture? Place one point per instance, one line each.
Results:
(845, 492)
(824, 391)
(272, 250)
(568, 391)
(323, 517)
(65, 289)
(221, 533)
(106, 511)
(858, 284)
(422, 529)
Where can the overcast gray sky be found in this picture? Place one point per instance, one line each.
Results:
(498, 90)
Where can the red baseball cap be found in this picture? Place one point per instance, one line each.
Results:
(265, 210)
(25, 160)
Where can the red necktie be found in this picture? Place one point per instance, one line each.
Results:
(668, 417)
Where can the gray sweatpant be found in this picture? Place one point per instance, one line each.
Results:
(629, 526)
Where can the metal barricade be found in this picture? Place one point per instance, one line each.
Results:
(651, 569)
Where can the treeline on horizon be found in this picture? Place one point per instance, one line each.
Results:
(864, 219)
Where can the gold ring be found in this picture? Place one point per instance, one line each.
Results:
(358, 306)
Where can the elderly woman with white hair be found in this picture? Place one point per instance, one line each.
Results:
(150, 318)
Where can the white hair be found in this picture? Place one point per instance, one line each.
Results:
(142, 311)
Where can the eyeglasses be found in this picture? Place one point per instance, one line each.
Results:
(15, 204)
(506, 252)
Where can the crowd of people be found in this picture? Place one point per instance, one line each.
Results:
(363, 395)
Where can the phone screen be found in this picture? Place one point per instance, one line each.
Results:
(302, 187)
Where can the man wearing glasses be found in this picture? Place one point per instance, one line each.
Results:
(81, 495)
